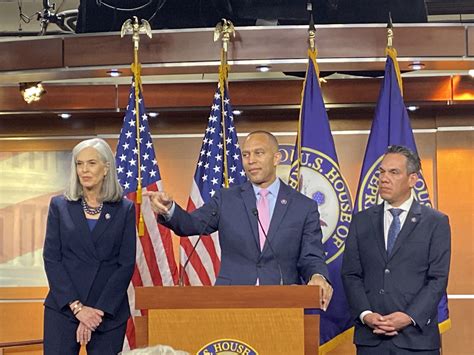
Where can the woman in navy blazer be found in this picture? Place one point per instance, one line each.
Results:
(89, 257)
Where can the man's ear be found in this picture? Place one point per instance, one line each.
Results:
(276, 158)
(412, 179)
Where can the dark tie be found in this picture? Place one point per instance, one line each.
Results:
(394, 229)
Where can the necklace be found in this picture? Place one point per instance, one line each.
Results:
(91, 210)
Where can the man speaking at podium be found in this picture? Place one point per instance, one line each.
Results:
(269, 234)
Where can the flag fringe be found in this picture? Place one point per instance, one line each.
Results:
(444, 326)
(336, 341)
(392, 53)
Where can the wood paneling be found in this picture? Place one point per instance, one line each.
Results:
(268, 93)
(22, 293)
(60, 97)
(470, 41)
(21, 321)
(463, 88)
(40, 53)
(262, 44)
(455, 168)
(459, 340)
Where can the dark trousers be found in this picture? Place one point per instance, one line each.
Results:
(387, 347)
(60, 337)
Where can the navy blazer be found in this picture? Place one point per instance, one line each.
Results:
(94, 267)
(294, 233)
(412, 280)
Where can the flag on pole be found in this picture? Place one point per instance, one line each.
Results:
(391, 126)
(219, 160)
(136, 161)
(315, 172)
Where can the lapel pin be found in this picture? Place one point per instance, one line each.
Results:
(107, 216)
(413, 219)
(284, 201)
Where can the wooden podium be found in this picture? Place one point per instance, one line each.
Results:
(269, 319)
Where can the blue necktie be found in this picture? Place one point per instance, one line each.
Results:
(394, 229)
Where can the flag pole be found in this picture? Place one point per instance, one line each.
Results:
(312, 55)
(224, 29)
(136, 29)
(392, 52)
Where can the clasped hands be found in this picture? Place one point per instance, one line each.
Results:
(89, 319)
(389, 324)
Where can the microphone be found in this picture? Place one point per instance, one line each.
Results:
(255, 212)
(181, 275)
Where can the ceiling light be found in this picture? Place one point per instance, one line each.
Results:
(32, 92)
(412, 108)
(65, 116)
(237, 112)
(416, 66)
(153, 114)
(471, 72)
(263, 68)
(114, 73)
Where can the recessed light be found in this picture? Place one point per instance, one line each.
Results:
(417, 66)
(471, 72)
(412, 108)
(114, 73)
(153, 114)
(237, 112)
(263, 68)
(32, 92)
(65, 116)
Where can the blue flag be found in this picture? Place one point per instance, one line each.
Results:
(315, 172)
(391, 126)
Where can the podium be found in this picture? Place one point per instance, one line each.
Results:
(267, 319)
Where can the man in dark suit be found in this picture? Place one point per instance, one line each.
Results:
(291, 252)
(396, 265)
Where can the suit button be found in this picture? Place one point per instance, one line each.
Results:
(387, 271)
(382, 291)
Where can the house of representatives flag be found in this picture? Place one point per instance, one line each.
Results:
(315, 172)
(155, 263)
(220, 150)
(391, 126)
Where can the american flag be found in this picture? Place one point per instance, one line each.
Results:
(208, 178)
(155, 263)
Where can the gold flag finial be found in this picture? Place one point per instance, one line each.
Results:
(224, 29)
(311, 28)
(135, 29)
(389, 31)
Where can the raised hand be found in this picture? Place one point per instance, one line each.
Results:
(161, 202)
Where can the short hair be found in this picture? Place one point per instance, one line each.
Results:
(111, 190)
(413, 160)
(270, 136)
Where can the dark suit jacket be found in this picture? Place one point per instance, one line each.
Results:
(412, 280)
(93, 267)
(294, 233)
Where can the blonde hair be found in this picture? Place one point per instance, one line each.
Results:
(111, 190)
